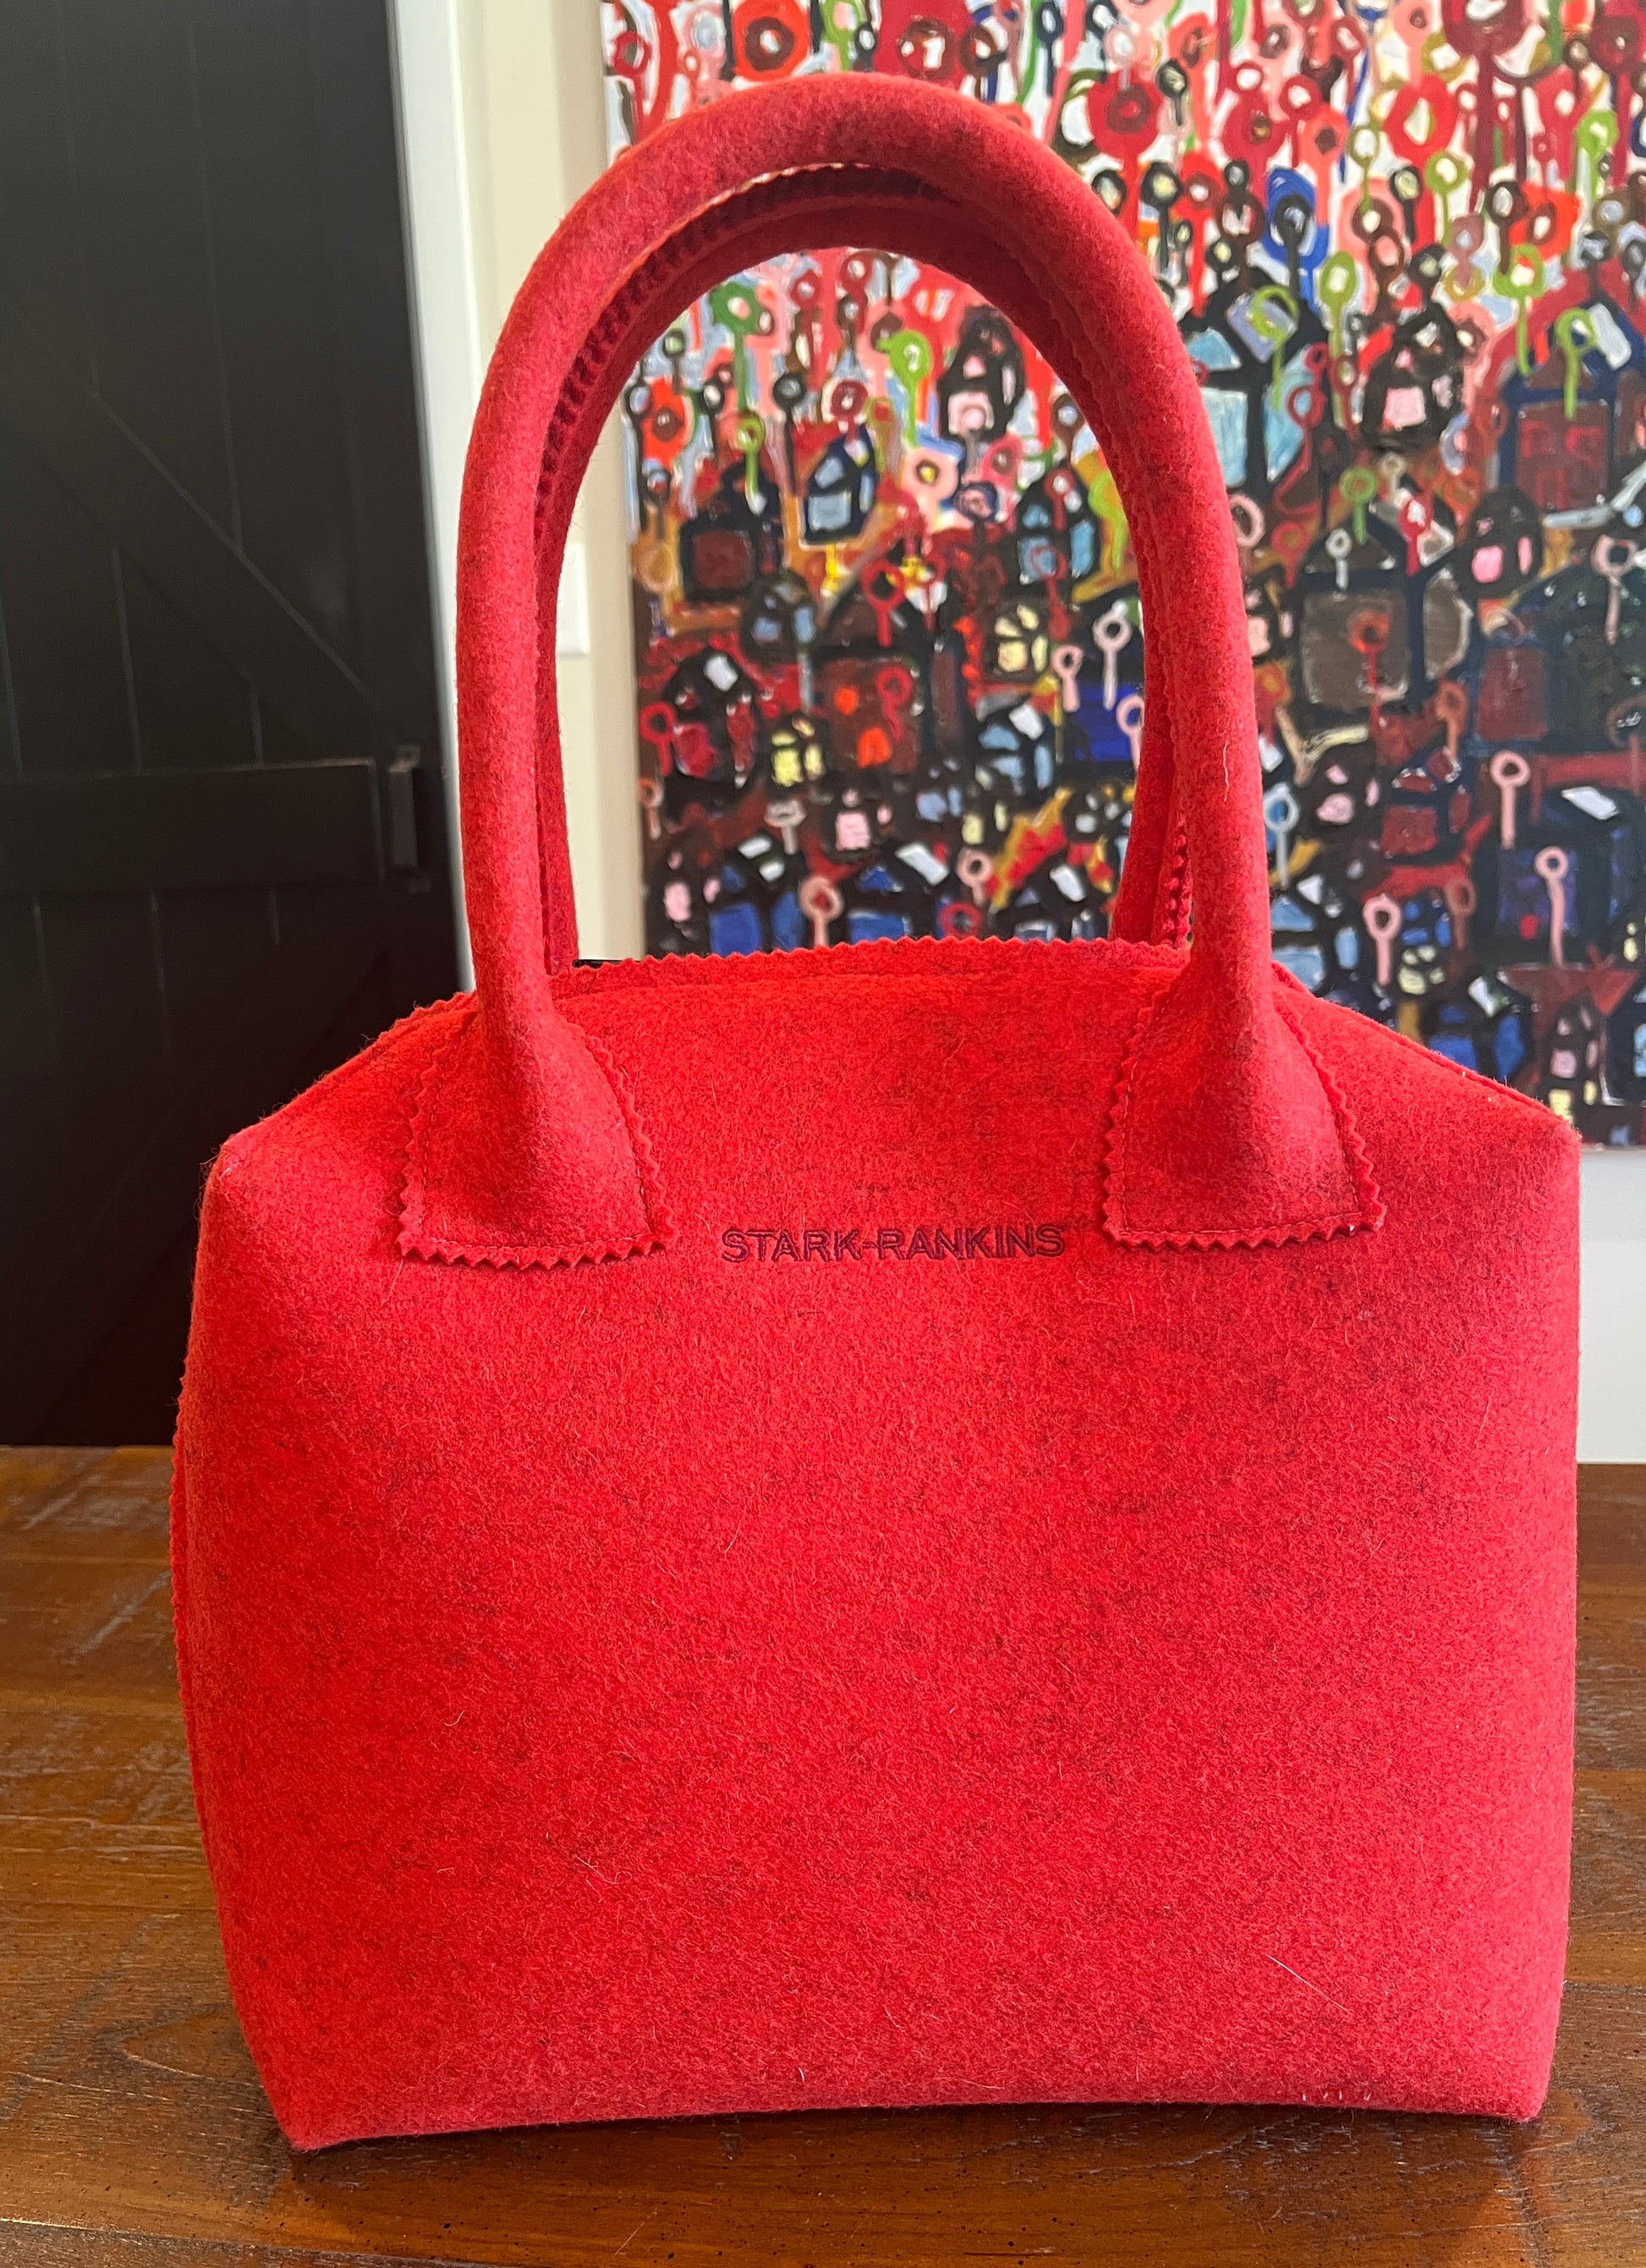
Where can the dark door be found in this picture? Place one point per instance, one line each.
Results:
(223, 864)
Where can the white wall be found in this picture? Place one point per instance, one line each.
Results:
(1612, 1425)
(504, 124)
(503, 127)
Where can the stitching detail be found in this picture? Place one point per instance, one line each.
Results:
(956, 957)
(414, 1190)
(1370, 1211)
(1174, 911)
(468, 1242)
(654, 1202)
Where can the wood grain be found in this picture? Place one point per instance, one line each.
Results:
(134, 2134)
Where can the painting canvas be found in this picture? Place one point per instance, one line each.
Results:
(888, 643)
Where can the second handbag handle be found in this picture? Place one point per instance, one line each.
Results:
(1231, 1136)
(1153, 897)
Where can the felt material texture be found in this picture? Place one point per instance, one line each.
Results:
(805, 162)
(929, 1523)
(689, 1683)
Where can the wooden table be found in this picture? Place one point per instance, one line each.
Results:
(134, 2134)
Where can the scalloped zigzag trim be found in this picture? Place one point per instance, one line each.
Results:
(1175, 898)
(417, 1240)
(910, 956)
(1371, 1211)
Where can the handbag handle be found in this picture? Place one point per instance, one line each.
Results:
(1224, 1132)
(1152, 902)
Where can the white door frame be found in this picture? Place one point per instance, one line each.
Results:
(502, 125)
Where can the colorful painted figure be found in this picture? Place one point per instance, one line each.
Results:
(889, 640)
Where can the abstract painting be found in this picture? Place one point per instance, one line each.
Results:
(888, 641)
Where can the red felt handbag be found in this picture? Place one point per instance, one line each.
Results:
(935, 1522)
